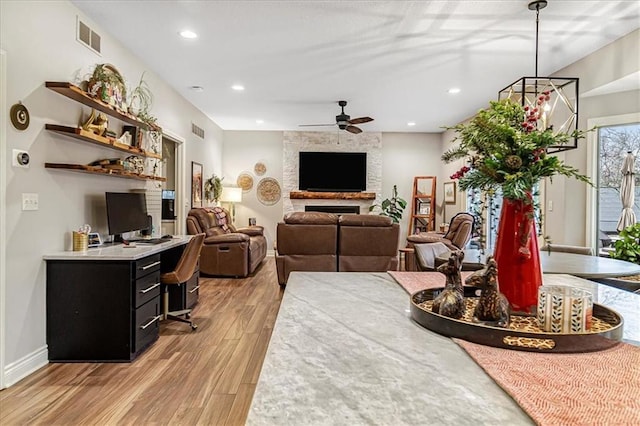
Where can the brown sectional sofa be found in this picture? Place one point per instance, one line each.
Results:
(315, 241)
(232, 252)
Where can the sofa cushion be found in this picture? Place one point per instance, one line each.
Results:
(365, 220)
(311, 218)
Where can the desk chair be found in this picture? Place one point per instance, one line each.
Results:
(184, 270)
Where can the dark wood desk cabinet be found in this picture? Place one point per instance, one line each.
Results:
(102, 310)
(109, 310)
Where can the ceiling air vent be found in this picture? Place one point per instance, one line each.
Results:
(87, 36)
(197, 130)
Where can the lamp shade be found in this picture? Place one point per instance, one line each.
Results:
(231, 194)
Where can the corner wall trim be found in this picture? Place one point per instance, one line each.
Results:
(20, 369)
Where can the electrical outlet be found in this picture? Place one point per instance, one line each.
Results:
(550, 205)
(20, 158)
(29, 201)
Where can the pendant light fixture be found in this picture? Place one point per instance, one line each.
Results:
(555, 97)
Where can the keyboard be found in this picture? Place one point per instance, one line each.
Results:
(150, 240)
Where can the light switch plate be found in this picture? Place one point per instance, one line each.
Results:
(29, 201)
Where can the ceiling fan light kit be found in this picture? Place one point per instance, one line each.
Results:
(556, 97)
(344, 121)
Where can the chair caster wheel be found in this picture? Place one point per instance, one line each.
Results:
(194, 326)
(188, 316)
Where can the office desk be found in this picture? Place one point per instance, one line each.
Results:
(104, 304)
(344, 350)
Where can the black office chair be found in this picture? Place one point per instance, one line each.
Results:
(184, 270)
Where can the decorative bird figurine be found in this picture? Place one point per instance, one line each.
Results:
(450, 302)
(96, 123)
(493, 307)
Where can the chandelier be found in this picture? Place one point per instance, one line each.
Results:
(556, 98)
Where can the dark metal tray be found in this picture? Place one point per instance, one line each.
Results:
(517, 339)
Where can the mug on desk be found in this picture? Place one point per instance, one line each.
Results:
(80, 241)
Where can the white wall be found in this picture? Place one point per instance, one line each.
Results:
(242, 150)
(39, 38)
(566, 224)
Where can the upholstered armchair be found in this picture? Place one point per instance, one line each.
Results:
(456, 238)
(227, 250)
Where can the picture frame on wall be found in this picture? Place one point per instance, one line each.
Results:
(450, 192)
(196, 184)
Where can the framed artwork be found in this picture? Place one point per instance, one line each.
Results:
(450, 192)
(196, 184)
(424, 208)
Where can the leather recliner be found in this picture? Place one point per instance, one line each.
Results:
(456, 238)
(306, 241)
(367, 243)
(227, 251)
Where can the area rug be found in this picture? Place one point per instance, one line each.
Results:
(596, 388)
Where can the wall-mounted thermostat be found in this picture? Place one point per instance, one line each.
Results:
(20, 158)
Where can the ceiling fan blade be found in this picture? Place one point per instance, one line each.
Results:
(353, 129)
(360, 120)
(315, 125)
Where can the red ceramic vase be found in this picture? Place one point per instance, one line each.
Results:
(517, 256)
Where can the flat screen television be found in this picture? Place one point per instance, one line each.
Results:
(333, 171)
(126, 212)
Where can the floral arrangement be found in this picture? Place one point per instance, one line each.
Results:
(507, 151)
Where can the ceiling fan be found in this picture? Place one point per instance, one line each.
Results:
(344, 121)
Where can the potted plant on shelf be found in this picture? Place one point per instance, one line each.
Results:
(213, 188)
(506, 151)
(392, 207)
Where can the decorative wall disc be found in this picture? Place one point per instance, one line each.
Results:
(268, 191)
(19, 116)
(245, 181)
(259, 169)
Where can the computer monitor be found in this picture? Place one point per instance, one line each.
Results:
(126, 212)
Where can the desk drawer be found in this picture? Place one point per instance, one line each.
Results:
(193, 286)
(146, 265)
(147, 288)
(147, 324)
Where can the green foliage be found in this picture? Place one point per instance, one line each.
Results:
(213, 188)
(628, 246)
(507, 152)
(141, 97)
(392, 207)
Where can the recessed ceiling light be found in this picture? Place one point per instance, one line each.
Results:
(188, 34)
(197, 88)
(411, 124)
(259, 121)
(453, 90)
(238, 87)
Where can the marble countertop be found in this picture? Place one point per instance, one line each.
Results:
(119, 251)
(344, 350)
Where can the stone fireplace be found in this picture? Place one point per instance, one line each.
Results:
(340, 141)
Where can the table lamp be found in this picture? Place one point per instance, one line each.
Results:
(231, 195)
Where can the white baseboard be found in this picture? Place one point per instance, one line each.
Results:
(21, 368)
(271, 253)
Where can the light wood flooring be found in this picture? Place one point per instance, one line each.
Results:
(204, 377)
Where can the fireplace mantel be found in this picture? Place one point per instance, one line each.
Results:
(309, 195)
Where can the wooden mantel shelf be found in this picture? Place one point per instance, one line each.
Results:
(308, 195)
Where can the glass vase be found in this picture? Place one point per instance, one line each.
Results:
(517, 255)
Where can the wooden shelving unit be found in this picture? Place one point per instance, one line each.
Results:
(72, 91)
(423, 205)
(75, 93)
(96, 170)
(83, 135)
